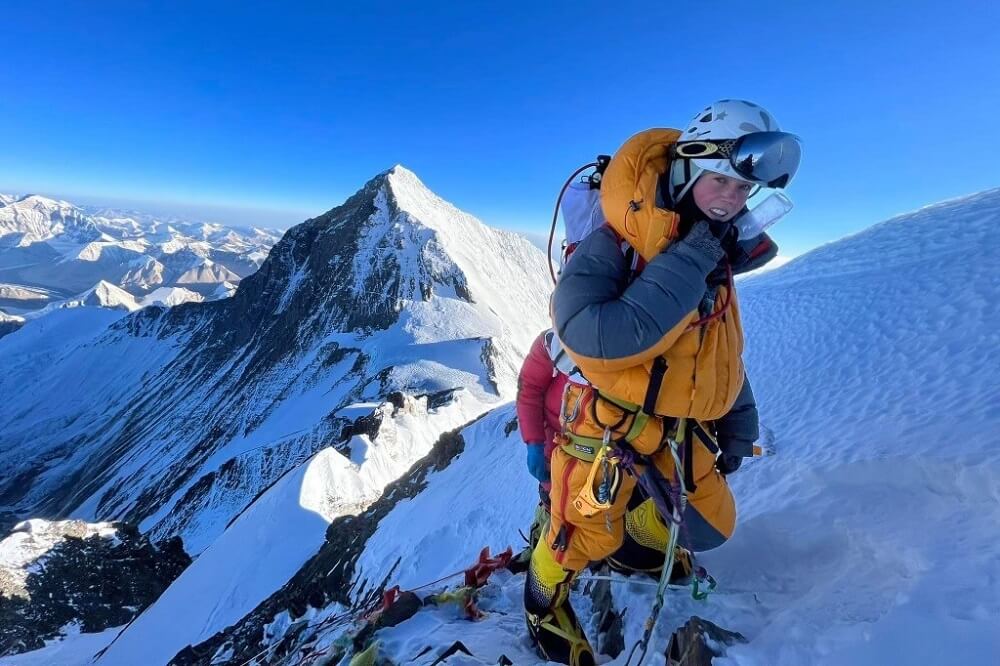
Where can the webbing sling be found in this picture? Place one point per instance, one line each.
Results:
(688, 457)
(655, 383)
(705, 437)
(585, 448)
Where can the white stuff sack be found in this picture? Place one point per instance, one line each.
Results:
(581, 212)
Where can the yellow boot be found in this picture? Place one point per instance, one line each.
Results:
(551, 621)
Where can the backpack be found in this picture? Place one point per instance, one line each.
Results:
(580, 204)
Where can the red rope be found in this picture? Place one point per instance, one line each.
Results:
(725, 306)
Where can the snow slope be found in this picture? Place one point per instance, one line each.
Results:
(869, 538)
(175, 419)
(75, 649)
(272, 539)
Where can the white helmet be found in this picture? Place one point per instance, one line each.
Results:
(725, 119)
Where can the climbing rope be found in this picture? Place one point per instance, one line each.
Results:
(680, 499)
(476, 576)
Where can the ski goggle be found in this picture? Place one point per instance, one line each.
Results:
(765, 158)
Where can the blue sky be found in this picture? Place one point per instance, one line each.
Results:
(279, 112)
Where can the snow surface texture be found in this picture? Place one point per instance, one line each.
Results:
(56, 254)
(870, 537)
(74, 649)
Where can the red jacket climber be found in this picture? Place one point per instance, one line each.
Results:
(539, 399)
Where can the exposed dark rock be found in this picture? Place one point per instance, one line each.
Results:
(610, 630)
(7, 521)
(438, 398)
(363, 425)
(692, 644)
(8, 327)
(96, 582)
(486, 356)
(396, 399)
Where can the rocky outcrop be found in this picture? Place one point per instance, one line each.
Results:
(698, 642)
(56, 574)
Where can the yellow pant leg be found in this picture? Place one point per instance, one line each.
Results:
(575, 539)
(710, 518)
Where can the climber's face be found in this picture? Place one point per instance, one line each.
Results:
(720, 197)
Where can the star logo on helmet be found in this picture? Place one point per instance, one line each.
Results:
(721, 115)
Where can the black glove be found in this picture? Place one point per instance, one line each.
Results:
(702, 238)
(721, 229)
(727, 463)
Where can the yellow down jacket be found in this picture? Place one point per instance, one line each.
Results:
(615, 328)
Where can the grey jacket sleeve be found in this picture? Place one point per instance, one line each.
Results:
(739, 428)
(598, 314)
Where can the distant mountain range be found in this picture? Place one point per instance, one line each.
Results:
(54, 254)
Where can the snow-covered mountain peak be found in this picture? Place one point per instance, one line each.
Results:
(34, 218)
(410, 195)
(102, 295)
(459, 252)
(65, 249)
(171, 296)
(108, 295)
(38, 201)
(361, 303)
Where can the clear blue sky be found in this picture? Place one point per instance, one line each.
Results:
(292, 106)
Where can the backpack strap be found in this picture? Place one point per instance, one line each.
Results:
(655, 384)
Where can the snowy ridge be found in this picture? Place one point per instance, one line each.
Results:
(183, 416)
(4, 317)
(171, 296)
(103, 295)
(275, 536)
(35, 218)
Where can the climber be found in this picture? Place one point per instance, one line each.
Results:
(539, 396)
(646, 310)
